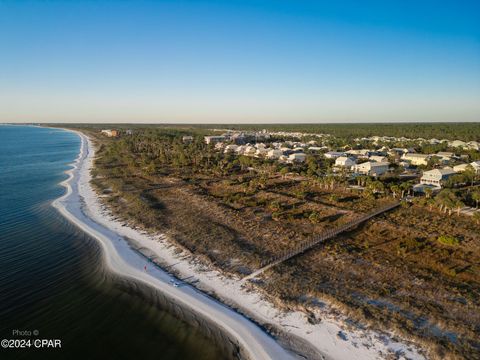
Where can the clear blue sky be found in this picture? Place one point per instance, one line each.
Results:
(239, 61)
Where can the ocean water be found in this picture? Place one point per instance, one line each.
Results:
(52, 281)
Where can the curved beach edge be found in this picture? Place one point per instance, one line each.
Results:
(330, 338)
(121, 259)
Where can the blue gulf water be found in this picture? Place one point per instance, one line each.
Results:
(51, 276)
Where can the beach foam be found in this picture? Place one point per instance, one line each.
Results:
(330, 338)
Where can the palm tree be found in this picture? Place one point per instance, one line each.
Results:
(404, 187)
(476, 216)
(459, 205)
(447, 200)
(470, 174)
(395, 189)
(476, 197)
(428, 192)
(376, 186)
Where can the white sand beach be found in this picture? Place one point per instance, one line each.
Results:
(330, 338)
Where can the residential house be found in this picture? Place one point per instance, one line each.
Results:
(457, 143)
(371, 168)
(333, 154)
(378, 158)
(297, 157)
(462, 167)
(110, 133)
(473, 145)
(317, 148)
(261, 152)
(436, 177)
(214, 139)
(476, 166)
(361, 153)
(344, 161)
(399, 151)
(416, 159)
(274, 154)
(250, 150)
(231, 148)
(187, 139)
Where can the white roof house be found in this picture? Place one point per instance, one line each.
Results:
(214, 139)
(371, 168)
(359, 153)
(297, 157)
(344, 161)
(274, 154)
(378, 158)
(261, 152)
(436, 177)
(462, 167)
(249, 150)
(445, 155)
(333, 154)
(231, 148)
(475, 145)
(457, 143)
(316, 148)
(110, 132)
(476, 166)
(416, 159)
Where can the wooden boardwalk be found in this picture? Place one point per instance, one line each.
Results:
(319, 239)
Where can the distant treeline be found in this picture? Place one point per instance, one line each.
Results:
(450, 131)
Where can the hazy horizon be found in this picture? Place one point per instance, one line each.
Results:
(239, 62)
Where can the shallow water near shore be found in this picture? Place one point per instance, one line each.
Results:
(52, 279)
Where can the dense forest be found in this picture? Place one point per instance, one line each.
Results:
(450, 131)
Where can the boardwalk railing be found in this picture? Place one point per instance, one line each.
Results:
(267, 264)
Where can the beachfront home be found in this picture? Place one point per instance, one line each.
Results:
(416, 159)
(371, 168)
(110, 133)
(436, 177)
(345, 162)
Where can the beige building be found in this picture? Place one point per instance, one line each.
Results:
(371, 168)
(345, 162)
(416, 159)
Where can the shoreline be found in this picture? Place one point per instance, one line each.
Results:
(122, 246)
(123, 260)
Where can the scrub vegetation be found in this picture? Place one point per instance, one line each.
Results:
(414, 270)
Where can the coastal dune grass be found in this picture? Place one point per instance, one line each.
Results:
(413, 270)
